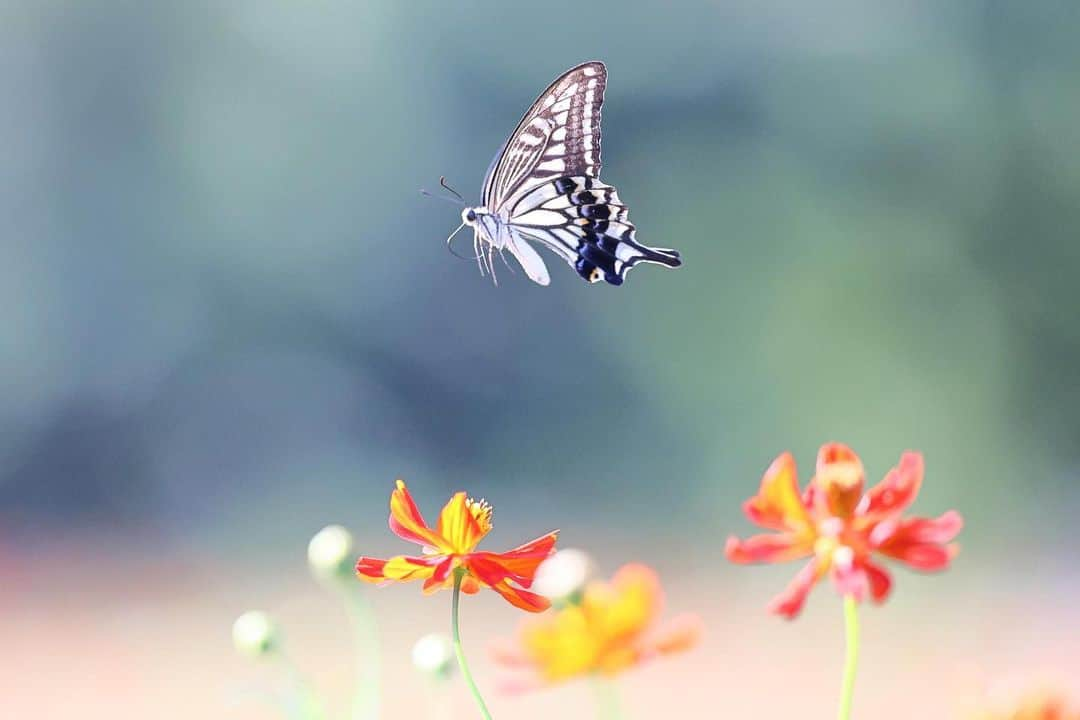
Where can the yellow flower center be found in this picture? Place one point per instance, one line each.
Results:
(481, 512)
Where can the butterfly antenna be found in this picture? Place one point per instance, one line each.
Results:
(425, 193)
(442, 181)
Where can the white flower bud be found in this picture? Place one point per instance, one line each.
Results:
(330, 552)
(563, 575)
(433, 655)
(254, 634)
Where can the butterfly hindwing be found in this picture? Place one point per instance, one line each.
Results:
(584, 221)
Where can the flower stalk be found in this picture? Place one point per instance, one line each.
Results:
(607, 699)
(455, 633)
(851, 655)
(365, 703)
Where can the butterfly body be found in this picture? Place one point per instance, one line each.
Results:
(544, 187)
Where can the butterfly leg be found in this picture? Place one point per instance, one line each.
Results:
(479, 253)
(502, 256)
(491, 263)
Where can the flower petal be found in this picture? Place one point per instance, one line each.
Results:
(679, 634)
(920, 542)
(403, 568)
(620, 611)
(942, 529)
(835, 453)
(849, 576)
(509, 654)
(896, 491)
(880, 581)
(400, 568)
(440, 578)
(839, 480)
(523, 599)
(925, 557)
(519, 564)
(408, 524)
(778, 505)
(790, 602)
(861, 577)
(458, 526)
(370, 569)
(563, 644)
(470, 585)
(770, 548)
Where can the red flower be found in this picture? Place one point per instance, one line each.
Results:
(451, 545)
(841, 528)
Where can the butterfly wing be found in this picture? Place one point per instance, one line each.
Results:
(527, 257)
(559, 135)
(586, 223)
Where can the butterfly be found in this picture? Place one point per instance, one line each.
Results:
(544, 187)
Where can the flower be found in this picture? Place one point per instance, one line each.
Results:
(609, 631)
(563, 575)
(433, 655)
(255, 634)
(1036, 705)
(330, 552)
(841, 528)
(450, 547)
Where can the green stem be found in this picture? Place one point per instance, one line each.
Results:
(851, 656)
(365, 704)
(607, 699)
(459, 574)
(303, 703)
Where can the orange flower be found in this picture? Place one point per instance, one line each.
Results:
(451, 545)
(841, 527)
(610, 630)
(1039, 705)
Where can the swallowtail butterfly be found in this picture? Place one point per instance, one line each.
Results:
(544, 186)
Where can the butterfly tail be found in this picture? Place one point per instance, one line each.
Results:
(610, 258)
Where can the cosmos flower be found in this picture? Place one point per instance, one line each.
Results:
(1035, 705)
(841, 528)
(450, 547)
(610, 630)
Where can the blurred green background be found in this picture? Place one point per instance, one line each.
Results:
(228, 318)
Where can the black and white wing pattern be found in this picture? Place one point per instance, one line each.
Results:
(544, 187)
(559, 135)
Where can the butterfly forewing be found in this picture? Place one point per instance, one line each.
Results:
(559, 135)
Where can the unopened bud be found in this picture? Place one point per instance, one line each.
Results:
(433, 655)
(563, 575)
(255, 634)
(330, 552)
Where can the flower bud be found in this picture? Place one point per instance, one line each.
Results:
(254, 634)
(330, 553)
(433, 655)
(563, 575)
